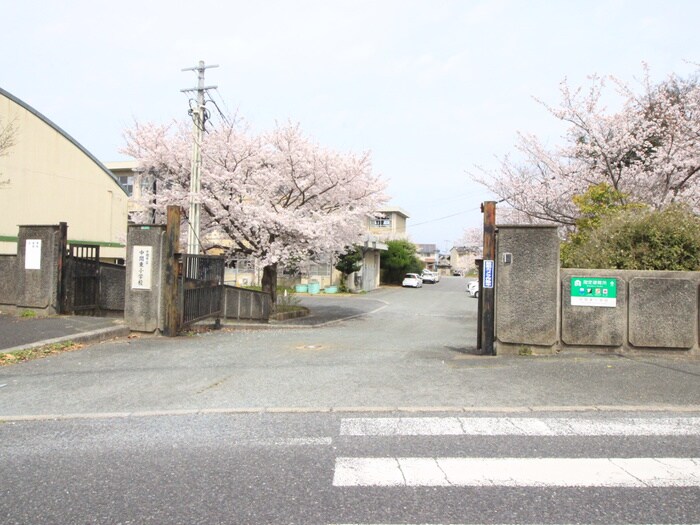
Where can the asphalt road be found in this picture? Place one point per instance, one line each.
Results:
(388, 417)
(292, 468)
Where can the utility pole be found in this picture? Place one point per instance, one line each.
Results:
(199, 120)
(488, 270)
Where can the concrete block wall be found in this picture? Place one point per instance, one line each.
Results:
(655, 311)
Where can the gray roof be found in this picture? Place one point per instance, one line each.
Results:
(427, 248)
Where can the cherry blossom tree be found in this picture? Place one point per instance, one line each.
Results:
(7, 140)
(648, 151)
(472, 237)
(7, 136)
(278, 197)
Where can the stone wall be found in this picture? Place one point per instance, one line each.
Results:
(527, 289)
(144, 309)
(8, 279)
(655, 311)
(38, 253)
(112, 287)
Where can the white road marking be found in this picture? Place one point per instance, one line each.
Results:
(517, 472)
(522, 426)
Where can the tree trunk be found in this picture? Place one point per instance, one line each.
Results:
(269, 281)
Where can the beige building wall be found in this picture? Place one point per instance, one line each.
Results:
(389, 224)
(126, 171)
(463, 259)
(51, 179)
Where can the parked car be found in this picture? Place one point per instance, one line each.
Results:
(412, 280)
(437, 276)
(429, 277)
(473, 288)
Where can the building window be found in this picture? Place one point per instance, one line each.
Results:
(127, 182)
(319, 269)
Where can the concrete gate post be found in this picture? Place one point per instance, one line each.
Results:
(40, 251)
(527, 288)
(145, 278)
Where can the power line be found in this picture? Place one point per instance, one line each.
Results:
(443, 218)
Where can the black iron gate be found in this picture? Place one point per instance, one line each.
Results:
(201, 287)
(80, 283)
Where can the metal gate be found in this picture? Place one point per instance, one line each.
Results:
(201, 287)
(80, 286)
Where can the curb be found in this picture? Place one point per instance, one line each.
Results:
(277, 325)
(94, 336)
(433, 411)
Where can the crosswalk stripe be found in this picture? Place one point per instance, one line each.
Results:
(517, 472)
(522, 426)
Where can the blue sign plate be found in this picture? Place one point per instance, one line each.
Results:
(488, 274)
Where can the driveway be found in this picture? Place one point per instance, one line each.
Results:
(413, 351)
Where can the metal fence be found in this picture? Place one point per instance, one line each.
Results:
(201, 287)
(80, 289)
(241, 303)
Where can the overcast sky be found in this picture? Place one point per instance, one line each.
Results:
(432, 88)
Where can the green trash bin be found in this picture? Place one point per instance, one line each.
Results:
(314, 287)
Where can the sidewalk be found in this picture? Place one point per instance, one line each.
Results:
(19, 333)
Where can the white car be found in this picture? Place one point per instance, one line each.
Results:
(412, 280)
(429, 277)
(473, 288)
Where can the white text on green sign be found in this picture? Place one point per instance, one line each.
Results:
(594, 291)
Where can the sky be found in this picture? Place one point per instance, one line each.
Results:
(436, 90)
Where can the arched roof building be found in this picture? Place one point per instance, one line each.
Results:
(47, 177)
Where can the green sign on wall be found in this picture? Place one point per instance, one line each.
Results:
(594, 291)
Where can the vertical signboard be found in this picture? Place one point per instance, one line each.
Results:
(141, 268)
(32, 254)
(488, 274)
(594, 291)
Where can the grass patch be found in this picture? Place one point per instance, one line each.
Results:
(288, 308)
(28, 314)
(525, 350)
(12, 358)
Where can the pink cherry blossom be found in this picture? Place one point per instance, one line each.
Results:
(649, 150)
(276, 196)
